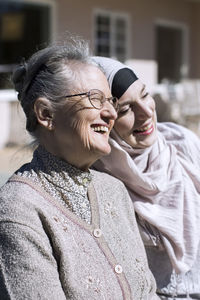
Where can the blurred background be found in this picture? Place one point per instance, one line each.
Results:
(159, 39)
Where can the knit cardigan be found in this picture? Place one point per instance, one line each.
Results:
(47, 252)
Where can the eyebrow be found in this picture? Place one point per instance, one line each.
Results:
(128, 101)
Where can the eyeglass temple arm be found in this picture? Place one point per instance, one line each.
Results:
(82, 94)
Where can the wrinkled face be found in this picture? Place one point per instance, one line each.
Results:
(136, 122)
(81, 131)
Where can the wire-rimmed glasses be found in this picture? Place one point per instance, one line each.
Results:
(97, 99)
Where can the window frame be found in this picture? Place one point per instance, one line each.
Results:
(51, 3)
(113, 15)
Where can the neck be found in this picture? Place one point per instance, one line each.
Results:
(80, 159)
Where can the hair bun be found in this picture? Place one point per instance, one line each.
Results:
(18, 78)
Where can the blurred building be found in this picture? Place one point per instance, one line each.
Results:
(158, 38)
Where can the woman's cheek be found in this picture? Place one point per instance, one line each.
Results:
(121, 127)
(125, 123)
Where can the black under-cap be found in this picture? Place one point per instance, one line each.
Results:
(121, 81)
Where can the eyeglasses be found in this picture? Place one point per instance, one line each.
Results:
(97, 99)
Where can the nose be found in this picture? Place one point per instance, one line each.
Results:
(108, 111)
(143, 110)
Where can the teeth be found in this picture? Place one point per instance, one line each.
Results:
(144, 128)
(100, 128)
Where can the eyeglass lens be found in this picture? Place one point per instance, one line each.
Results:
(97, 98)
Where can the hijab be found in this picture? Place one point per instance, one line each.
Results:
(163, 180)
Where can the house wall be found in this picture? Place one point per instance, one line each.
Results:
(77, 17)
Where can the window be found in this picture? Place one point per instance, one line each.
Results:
(111, 34)
(24, 28)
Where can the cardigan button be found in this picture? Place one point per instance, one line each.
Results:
(118, 269)
(97, 232)
(85, 180)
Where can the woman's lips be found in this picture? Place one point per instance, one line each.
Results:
(146, 130)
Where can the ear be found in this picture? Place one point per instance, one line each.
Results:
(44, 113)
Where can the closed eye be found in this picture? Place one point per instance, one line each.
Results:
(124, 110)
(145, 95)
(144, 92)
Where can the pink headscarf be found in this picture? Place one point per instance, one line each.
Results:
(163, 181)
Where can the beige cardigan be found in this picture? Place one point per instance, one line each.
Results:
(47, 252)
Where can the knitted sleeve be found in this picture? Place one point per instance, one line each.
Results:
(28, 268)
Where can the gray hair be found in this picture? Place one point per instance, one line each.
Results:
(48, 73)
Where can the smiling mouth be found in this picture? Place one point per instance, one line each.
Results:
(100, 129)
(146, 130)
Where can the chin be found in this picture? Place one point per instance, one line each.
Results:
(103, 151)
(148, 142)
(139, 143)
(106, 151)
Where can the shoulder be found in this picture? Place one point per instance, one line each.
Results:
(174, 131)
(185, 140)
(18, 199)
(177, 132)
(18, 187)
(14, 189)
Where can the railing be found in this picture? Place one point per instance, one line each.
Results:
(8, 96)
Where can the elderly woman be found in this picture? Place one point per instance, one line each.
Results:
(67, 232)
(160, 166)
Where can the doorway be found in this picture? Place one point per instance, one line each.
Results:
(24, 28)
(170, 53)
